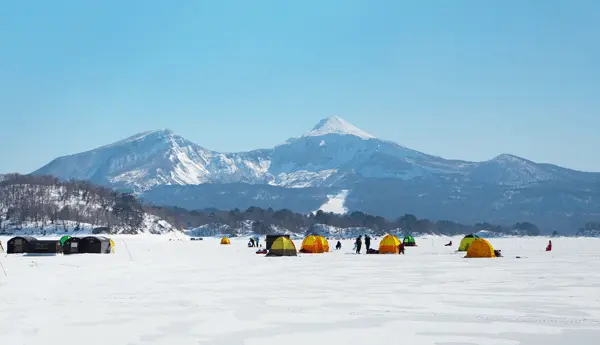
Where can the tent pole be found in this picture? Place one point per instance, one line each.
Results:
(3, 269)
(130, 258)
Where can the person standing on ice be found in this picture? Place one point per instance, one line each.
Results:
(358, 244)
(367, 242)
(401, 248)
(549, 247)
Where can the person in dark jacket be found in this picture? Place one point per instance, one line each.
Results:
(338, 246)
(358, 244)
(367, 242)
(401, 248)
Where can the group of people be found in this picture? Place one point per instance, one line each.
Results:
(253, 242)
(358, 245)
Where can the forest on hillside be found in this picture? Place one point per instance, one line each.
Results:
(45, 200)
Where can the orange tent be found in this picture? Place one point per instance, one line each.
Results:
(480, 248)
(325, 243)
(312, 244)
(389, 245)
(225, 240)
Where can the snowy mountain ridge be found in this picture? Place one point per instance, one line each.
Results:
(304, 173)
(334, 153)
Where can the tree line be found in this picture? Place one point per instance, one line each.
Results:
(47, 201)
(264, 220)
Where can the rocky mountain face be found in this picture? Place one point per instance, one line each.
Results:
(382, 177)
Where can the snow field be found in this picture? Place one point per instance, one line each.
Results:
(201, 292)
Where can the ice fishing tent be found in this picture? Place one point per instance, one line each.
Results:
(225, 240)
(282, 246)
(63, 239)
(313, 244)
(43, 247)
(18, 245)
(389, 245)
(466, 242)
(272, 238)
(71, 245)
(325, 244)
(94, 245)
(409, 241)
(480, 248)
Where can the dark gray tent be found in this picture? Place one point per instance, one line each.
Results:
(271, 238)
(94, 245)
(44, 247)
(71, 245)
(18, 245)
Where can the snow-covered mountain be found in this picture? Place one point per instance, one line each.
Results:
(333, 155)
(157, 158)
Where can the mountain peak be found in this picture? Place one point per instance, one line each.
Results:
(157, 133)
(508, 158)
(337, 125)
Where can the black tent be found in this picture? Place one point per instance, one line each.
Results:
(94, 245)
(71, 245)
(18, 245)
(44, 247)
(271, 238)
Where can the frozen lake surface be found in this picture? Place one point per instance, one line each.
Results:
(200, 292)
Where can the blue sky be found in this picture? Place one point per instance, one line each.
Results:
(459, 79)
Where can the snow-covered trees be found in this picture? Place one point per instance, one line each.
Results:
(47, 201)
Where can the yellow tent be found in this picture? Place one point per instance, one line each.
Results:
(282, 246)
(225, 240)
(389, 245)
(112, 246)
(312, 244)
(480, 248)
(466, 242)
(325, 244)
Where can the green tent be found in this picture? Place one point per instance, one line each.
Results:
(63, 239)
(466, 242)
(409, 241)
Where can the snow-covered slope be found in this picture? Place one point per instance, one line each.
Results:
(39, 205)
(150, 225)
(157, 158)
(335, 203)
(333, 153)
(337, 155)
